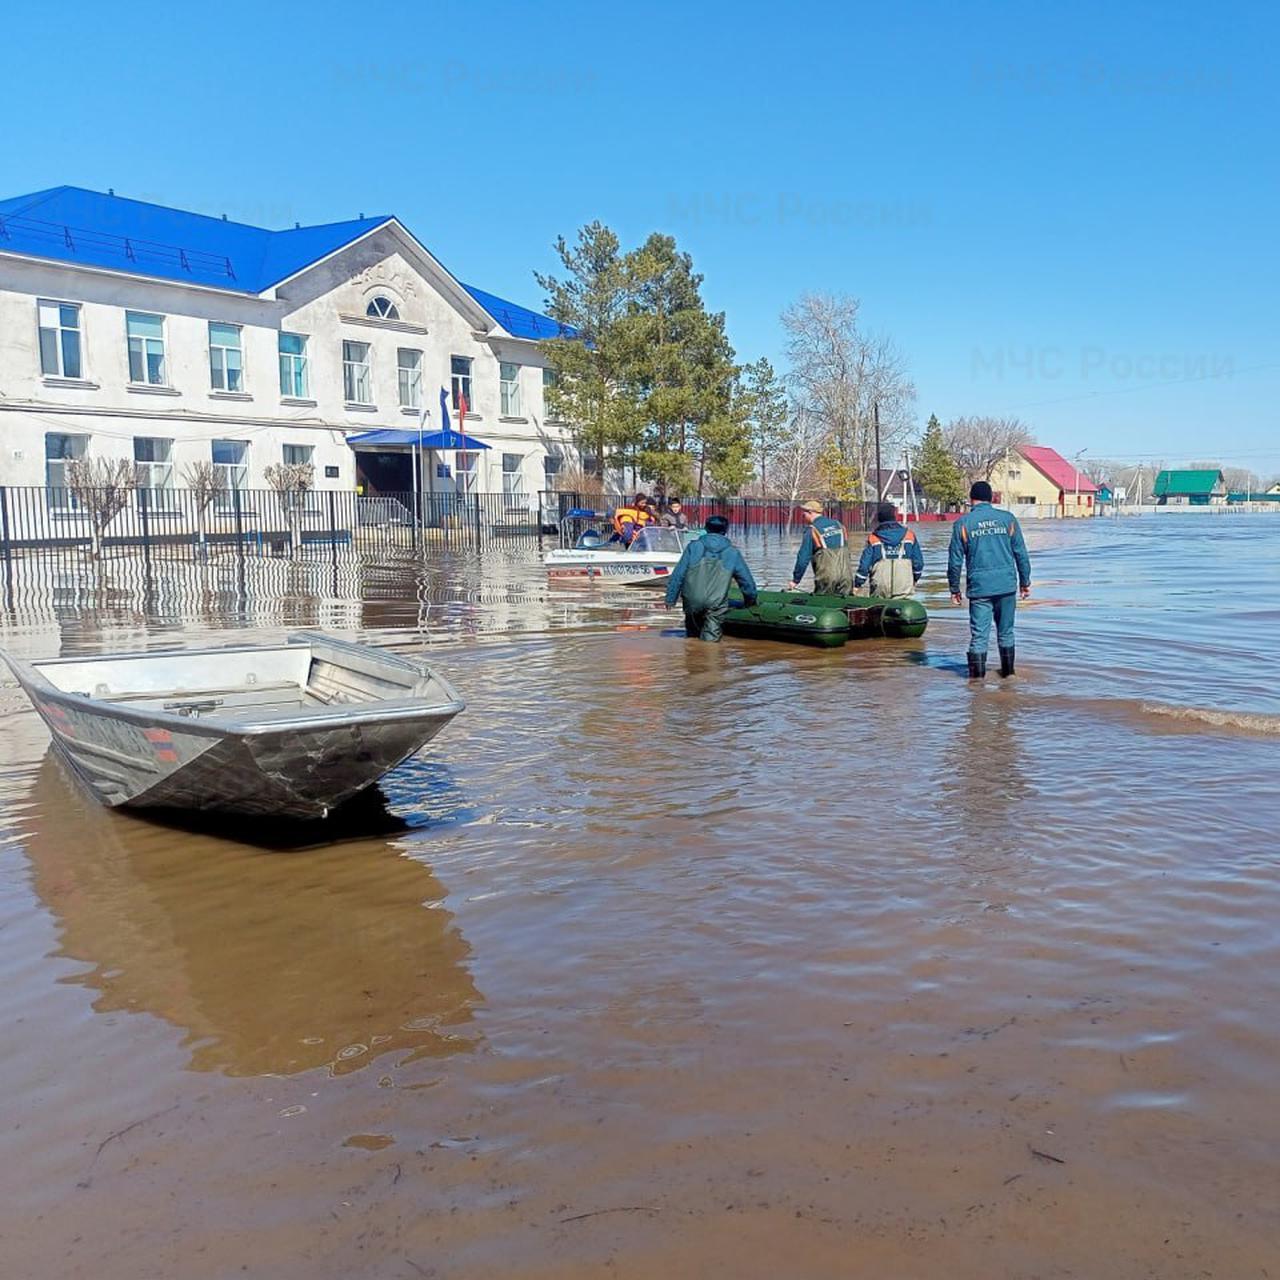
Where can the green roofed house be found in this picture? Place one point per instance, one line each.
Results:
(1190, 489)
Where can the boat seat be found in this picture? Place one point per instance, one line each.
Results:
(201, 695)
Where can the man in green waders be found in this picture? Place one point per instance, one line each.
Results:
(826, 548)
(702, 579)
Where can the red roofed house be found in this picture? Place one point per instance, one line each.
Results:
(1038, 481)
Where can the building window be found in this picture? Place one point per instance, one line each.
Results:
(409, 367)
(509, 386)
(153, 465)
(146, 348)
(59, 339)
(58, 451)
(298, 455)
(293, 366)
(460, 373)
(381, 308)
(230, 459)
(226, 361)
(1027, 500)
(551, 465)
(512, 478)
(357, 378)
(467, 469)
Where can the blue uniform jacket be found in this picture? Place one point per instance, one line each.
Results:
(832, 535)
(730, 557)
(891, 533)
(988, 543)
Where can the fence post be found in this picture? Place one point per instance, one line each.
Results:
(476, 498)
(333, 531)
(144, 510)
(8, 549)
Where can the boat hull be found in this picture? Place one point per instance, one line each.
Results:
(826, 621)
(262, 748)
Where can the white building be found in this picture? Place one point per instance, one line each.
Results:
(128, 330)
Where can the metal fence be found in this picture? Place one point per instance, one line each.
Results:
(70, 523)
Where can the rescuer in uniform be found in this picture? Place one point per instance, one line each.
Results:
(987, 544)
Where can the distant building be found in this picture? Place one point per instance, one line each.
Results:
(1274, 489)
(130, 330)
(896, 487)
(1190, 489)
(1038, 481)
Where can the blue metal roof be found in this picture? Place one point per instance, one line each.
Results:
(87, 228)
(380, 437)
(519, 321)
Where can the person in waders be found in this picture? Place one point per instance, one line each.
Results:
(826, 548)
(892, 560)
(701, 581)
(987, 544)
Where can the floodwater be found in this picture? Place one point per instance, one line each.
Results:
(670, 959)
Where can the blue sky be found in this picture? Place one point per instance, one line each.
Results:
(1066, 213)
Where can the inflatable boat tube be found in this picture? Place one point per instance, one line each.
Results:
(869, 617)
(780, 618)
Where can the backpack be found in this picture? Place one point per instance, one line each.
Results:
(832, 566)
(706, 583)
(892, 575)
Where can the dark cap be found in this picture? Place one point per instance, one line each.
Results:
(980, 491)
(886, 513)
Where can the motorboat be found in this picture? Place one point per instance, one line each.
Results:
(287, 730)
(588, 556)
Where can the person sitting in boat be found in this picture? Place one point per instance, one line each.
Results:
(674, 517)
(826, 547)
(628, 520)
(892, 560)
(701, 581)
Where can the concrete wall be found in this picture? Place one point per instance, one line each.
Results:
(327, 303)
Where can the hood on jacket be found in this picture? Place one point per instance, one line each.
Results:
(891, 533)
(716, 542)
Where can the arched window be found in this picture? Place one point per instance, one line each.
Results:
(381, 308)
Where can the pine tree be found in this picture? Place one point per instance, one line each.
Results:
(768, 414)
(936, 470)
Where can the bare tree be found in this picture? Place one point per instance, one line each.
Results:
(978, 444)
(795, 458)
(204, 481)
(292, 481)
(839, 374)
(103, 488)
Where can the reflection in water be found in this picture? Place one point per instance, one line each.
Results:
(271, 962)
(987, 779)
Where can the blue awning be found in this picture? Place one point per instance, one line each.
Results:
(396, 437)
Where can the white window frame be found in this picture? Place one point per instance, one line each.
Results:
(357, 375)
(59, 332)
(466, 470)
(509, 388)
(409, 377)
(236, 473)
(382, 308)
(146, 380)
(221, 350)
(60, 496)
(461, 380)
(155, 475)
(296, 371)
(512, 479)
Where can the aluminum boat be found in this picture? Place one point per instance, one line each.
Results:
(288, 730)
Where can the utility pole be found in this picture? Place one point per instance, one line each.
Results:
(875, 413)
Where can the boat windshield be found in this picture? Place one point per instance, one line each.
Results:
(656, 538)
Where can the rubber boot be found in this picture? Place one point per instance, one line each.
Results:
(977, 666)
(1006, 663)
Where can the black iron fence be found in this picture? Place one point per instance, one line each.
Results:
(186, 523)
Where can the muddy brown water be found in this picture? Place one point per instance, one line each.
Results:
(675, 960)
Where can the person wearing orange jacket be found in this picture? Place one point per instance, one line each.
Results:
(629, 520)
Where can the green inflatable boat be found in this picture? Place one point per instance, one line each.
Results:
(827, 621)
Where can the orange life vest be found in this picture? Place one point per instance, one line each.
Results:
(634, 516)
